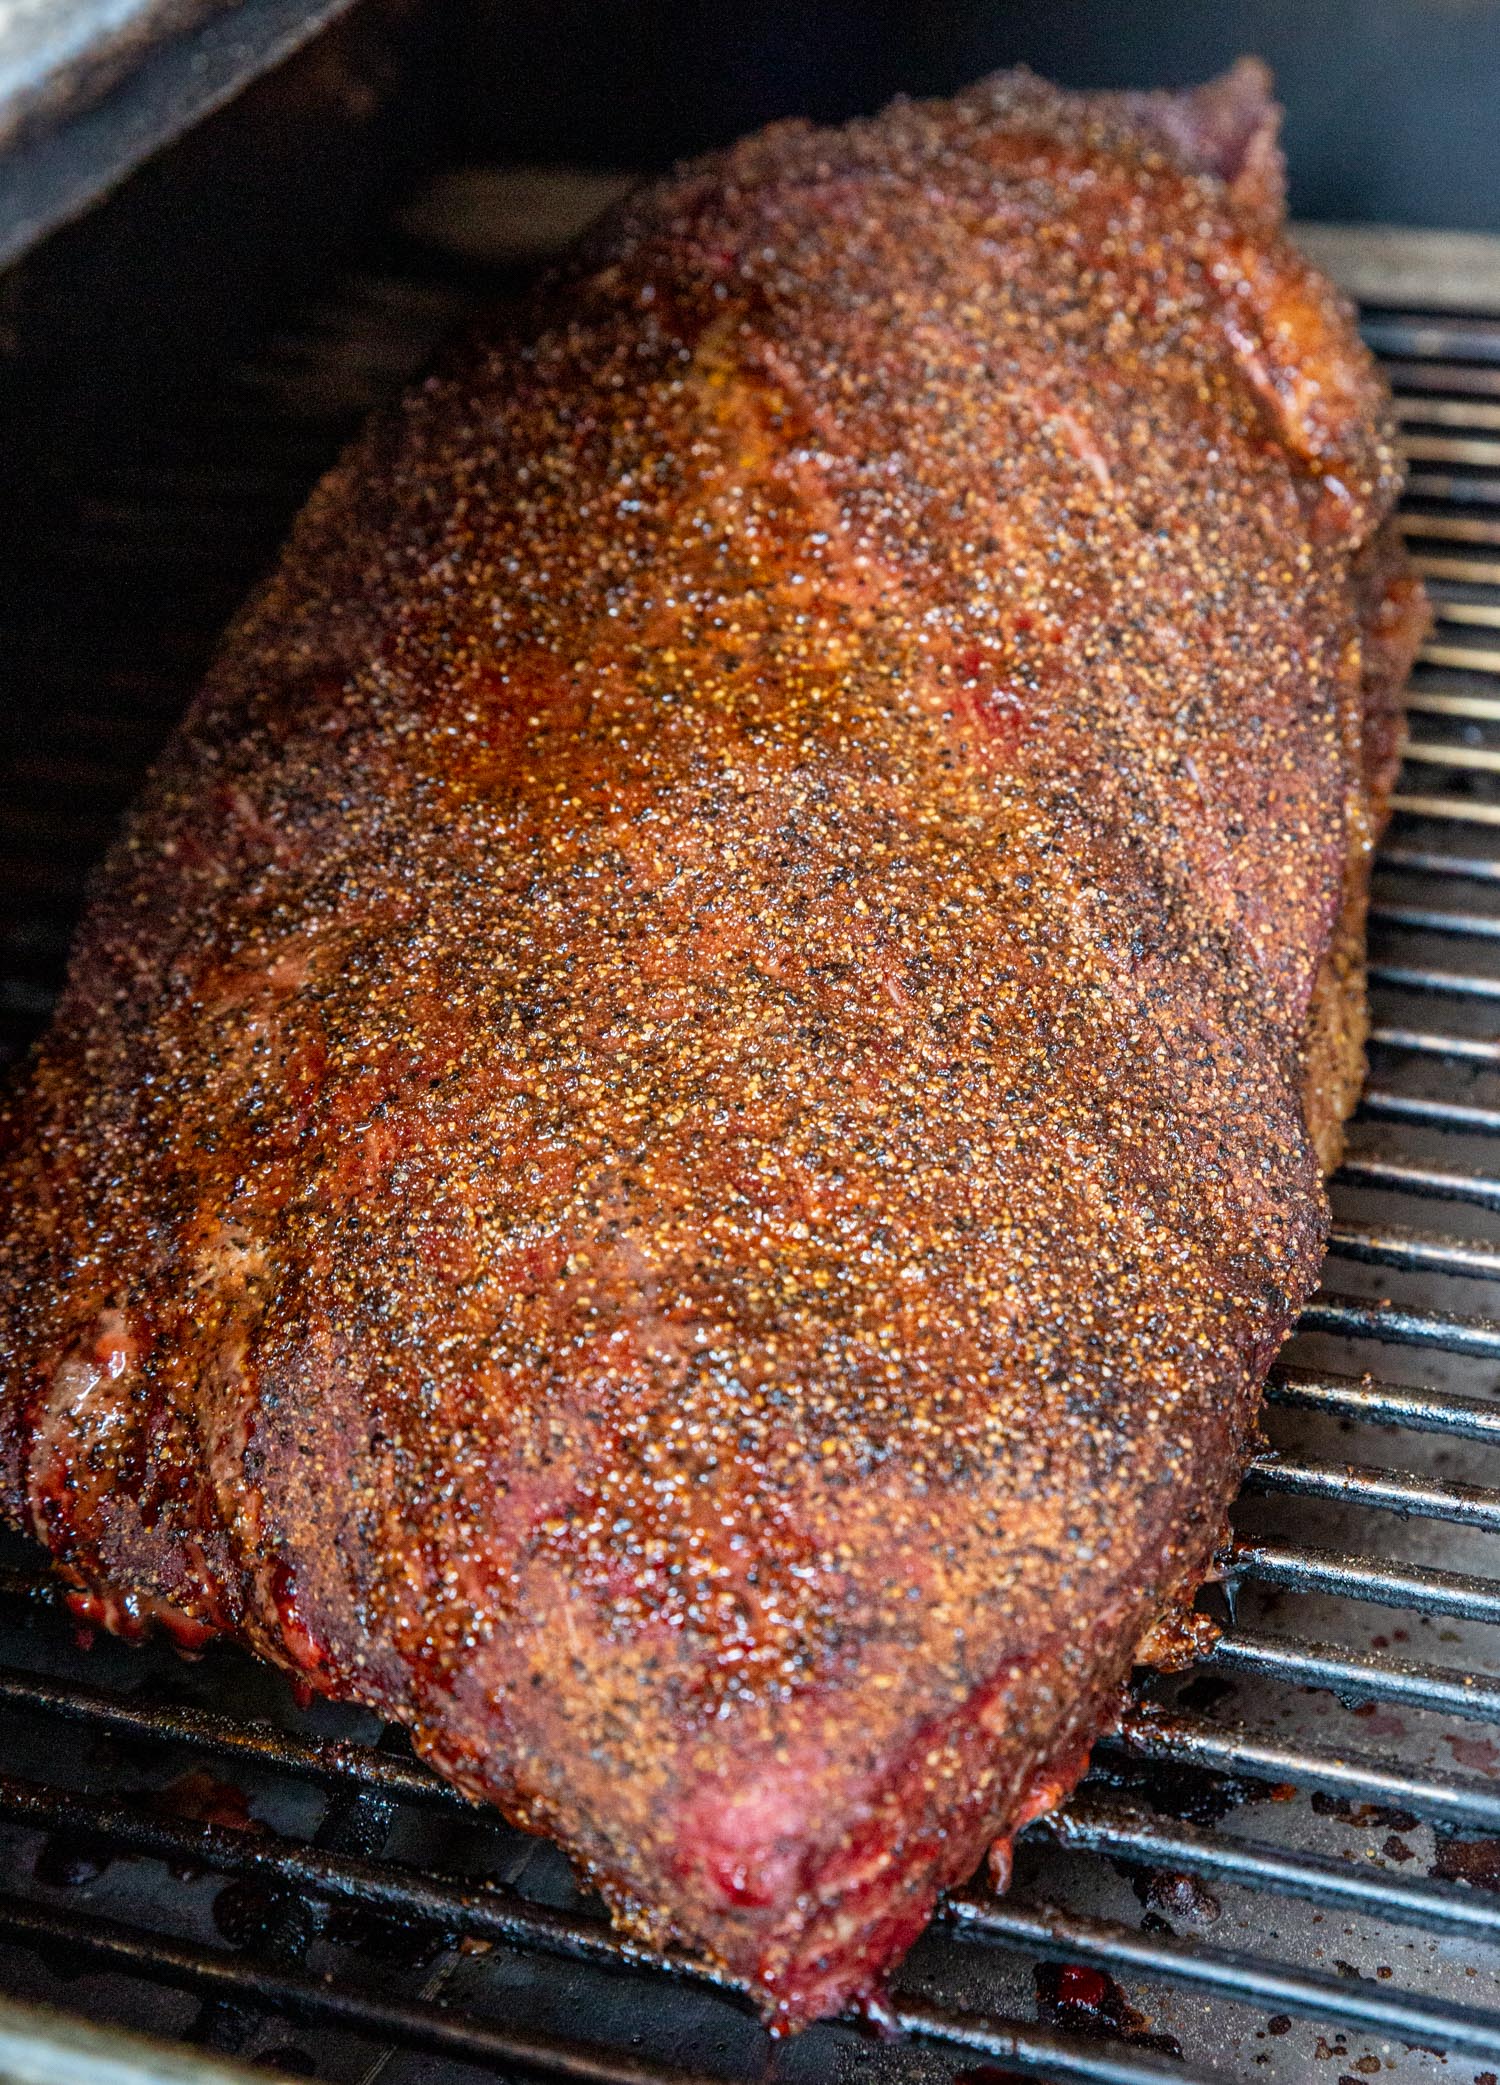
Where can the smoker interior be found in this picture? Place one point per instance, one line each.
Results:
(1286, 1863)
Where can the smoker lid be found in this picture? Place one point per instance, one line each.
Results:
(91, 88)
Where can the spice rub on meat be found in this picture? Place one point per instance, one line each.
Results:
(679, 1135)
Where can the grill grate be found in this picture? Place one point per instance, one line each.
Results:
(1292, 1853)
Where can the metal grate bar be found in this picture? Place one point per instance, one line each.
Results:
(1448, 412)
(1121, 1830)
(333, 1762)
(1459, 810)
(1451, 448)
(1355, 1317)
(1461, 571)
(1386, 1491)
(1457, 1594)
(1446, 702)
(1036, 2048)
(1431, 1183)
(1448, 376)
(1358, 1675)
(1415, 334)
(1415, 1251)
(1379, 1104)
(1464, 1049)
(1386, 1404)
(1248, 1978)
(1425, 862)
(1467, 658)
(1449, 528)
(1413, 978)
(1170, 1738)
(1483, 760)
(1434, 919)
(1455, 491)
(1483, 615)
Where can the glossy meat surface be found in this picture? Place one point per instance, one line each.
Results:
(676, 1146)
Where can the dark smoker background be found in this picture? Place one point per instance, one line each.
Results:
(1393, 106)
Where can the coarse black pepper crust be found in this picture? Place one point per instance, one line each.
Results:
(676, 1146)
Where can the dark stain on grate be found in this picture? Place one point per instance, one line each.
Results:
(1289, 1856)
